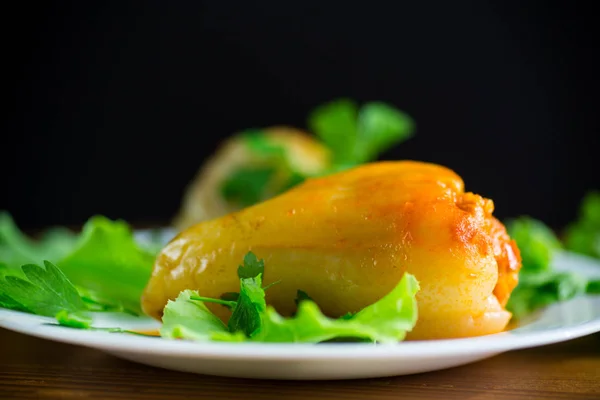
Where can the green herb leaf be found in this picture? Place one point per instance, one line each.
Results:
(540, 289)
(539, 285)
(252, 266)
(74, 320)
(593, 287)
(357, 136)
(536, 242)
(380, 126)
(187, 319)
(247, 186)
(260, 144)
(45, 291)
(8, 302)
(301, 296)
(271, 284)
(5, 300)
(230, 296)
(385, 321)
(583, 236)
(109, 262)
(99, 303)
(335, 123)
(250, 305)
(229, 304)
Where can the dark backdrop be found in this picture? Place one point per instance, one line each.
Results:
(116, 104)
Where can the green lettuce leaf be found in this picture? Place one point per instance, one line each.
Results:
(538, 290)
(17, 249)
(385, 321)
(108, 262)
(105, 264)
(539, 285)
(188, 319)
(583, 235)
(537, 243)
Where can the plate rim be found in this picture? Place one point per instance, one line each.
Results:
(129, 343)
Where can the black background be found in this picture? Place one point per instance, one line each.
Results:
(117, 104)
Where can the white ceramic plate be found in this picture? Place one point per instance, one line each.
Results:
(560, 322)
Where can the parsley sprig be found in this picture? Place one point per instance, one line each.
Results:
(41, 290)
(358, 135)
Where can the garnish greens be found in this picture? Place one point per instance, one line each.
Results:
(353, 135)
(539, 284)
(301, 295)
(101, 269)
(17, 249)
(42, 291)
(583, 236)
(357, 136)
(247, 186)
(104, 269)
(252, 266)
(385, 321)
(109, 263)
(187, 319)
(74, 320)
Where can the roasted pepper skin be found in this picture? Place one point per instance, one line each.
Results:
(347, 239)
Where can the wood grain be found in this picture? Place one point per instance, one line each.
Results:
(33, 368)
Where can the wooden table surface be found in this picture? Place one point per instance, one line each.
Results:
(32, 368)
